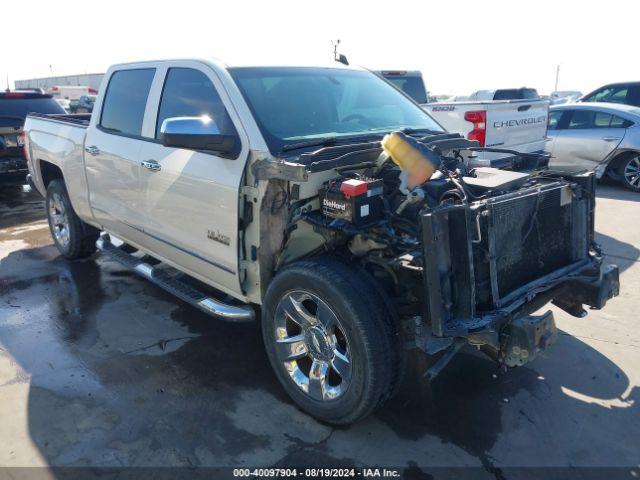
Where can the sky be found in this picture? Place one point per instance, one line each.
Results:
(460, 46)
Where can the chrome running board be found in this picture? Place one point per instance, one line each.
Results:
(169, 282)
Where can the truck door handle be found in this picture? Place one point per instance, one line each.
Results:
(151, 165)
(92, 150)
(610, 139)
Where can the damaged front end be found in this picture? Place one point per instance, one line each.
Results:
(489, 264)
(464, 254)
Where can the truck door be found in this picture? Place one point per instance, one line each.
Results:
(190, 198)
(112, 149)
(585, 139)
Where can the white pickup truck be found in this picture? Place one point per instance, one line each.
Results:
(268, 193)
(510, 119)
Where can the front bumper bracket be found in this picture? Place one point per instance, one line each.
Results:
(574, 293)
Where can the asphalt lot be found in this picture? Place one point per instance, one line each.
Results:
(100, 368)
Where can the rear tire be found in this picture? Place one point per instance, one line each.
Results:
(629, 172)
(72, 237)
(331, 339)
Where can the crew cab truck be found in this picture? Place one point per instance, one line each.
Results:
(510, 119)
(267, 189)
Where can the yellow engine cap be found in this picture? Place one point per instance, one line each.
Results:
(419, 162)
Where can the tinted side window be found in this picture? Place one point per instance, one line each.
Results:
(554, 119)
(581, 119)
(633, 97)
(125, 101)
(602, 120)
(618, 97)
(190, 93)
(617, 94)
(617, 122)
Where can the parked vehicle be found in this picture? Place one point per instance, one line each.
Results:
(14, 106)
(410, 82)
(70, 92)
(522, 93)
(331, 201)
(510, 119)
(602, 137)
(84, 104)
(627, 93)
(64, 103)
(564, 96)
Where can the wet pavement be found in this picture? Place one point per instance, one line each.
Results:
(100, 368)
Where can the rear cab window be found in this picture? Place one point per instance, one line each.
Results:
(188, 92)
(516, 94)
(125, 101)
(15, 107)
(412, 85)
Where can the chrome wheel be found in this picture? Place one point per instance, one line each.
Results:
(632, 172)
(59, 220)
(312, 345)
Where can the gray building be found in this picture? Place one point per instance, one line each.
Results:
(91, 80)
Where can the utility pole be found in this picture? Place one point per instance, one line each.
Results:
(557, 76)
(335, 49)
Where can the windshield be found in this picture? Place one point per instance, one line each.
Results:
(300, 104)
(13, 111)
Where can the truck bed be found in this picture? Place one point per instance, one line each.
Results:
(77, 119)
(58, 141)
(507, 124)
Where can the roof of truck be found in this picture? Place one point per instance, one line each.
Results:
(285, 63)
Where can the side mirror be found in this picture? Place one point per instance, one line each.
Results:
(196, 133)
(342, 59)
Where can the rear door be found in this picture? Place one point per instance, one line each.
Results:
(585, 139)
(112, 152)
(517, 125)
(190, 198)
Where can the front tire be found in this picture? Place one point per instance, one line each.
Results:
(331, 339)
(72, 237)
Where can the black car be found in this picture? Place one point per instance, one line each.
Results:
(84, 104)
(14, 106)
(627, 93)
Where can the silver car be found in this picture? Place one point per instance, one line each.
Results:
(604, 137)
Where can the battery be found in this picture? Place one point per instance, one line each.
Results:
(349, 200)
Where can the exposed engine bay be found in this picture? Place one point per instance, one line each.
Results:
(464, 252)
